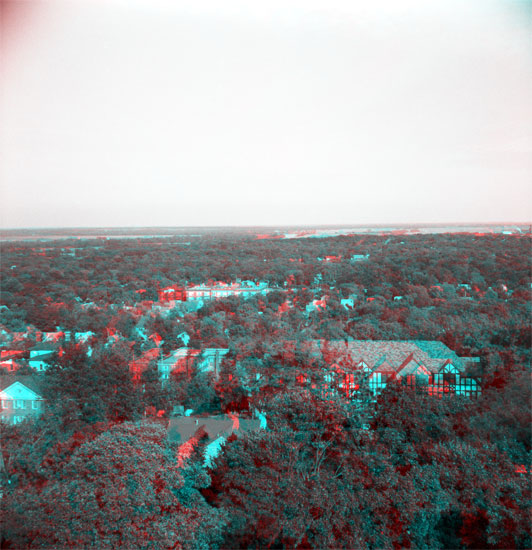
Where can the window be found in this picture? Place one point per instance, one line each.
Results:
(468, 387)
(35, 405)
(5, 403)
(450, 378)
(377, 382)
(351, 385)
(19, 404)
(165, 376)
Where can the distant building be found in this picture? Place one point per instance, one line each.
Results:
(172, 293)
(182, 360)
(7, 354)
(78, 337)
(330, 259)
(211, 291)
(19, 399)
(217, 290)
(211, 360)
(179, 361)
(359, 257)
(11, 359)
(316, 305)
(41, 355)
(49, 336)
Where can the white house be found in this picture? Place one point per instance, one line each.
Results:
(40, 356)
(359, 257)
(211, 360)
(218, 289)
(19, 399)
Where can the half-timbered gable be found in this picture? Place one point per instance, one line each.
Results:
(348, 366)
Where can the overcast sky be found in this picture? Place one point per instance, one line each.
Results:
(168, 112)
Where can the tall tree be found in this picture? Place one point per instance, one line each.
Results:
(122, 489)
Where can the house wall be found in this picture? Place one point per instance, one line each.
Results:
(15, 411)
(18, 403)
(38, 364)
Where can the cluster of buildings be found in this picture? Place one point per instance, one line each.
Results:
(212, 290)
(346, 368)
(38, 357)
(180, 361)
(336, 259)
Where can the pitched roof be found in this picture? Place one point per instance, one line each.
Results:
(45, 346)
(11, 353)
(181, 429)
(178, 355)
(31, 382)
(395, 353)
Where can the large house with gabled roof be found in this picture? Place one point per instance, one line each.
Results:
(20, 399)
(430, 365)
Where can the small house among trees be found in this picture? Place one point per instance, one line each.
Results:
(19, 399)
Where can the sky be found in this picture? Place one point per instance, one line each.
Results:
(285, 112)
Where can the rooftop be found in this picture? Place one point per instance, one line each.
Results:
(31, 382)
(181, 429)
(392, 354)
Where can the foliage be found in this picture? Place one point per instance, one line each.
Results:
(122, 489)
(425, 473)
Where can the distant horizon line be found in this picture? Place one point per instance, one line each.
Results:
(264, 226)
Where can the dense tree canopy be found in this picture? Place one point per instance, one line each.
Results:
(409, 471)
(121, 489)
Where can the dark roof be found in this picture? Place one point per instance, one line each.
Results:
(433, 355)
(42, 356)
(45, 346)
(181, 429)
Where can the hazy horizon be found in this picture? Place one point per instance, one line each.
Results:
(131, 228)
(200, 114)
